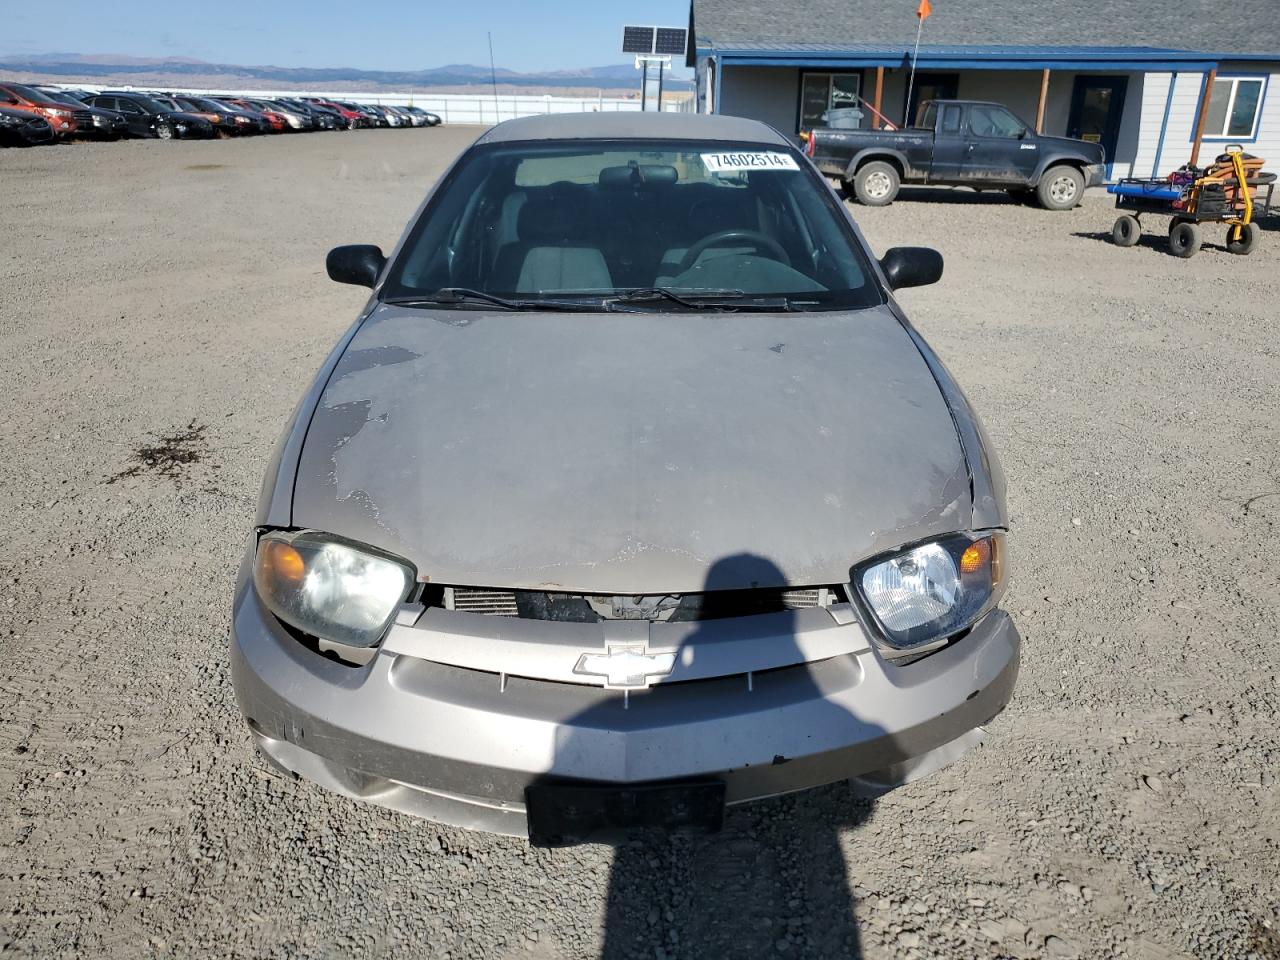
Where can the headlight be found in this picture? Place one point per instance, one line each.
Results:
(927, 593)
(329, 588)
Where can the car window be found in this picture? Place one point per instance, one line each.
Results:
(991, 121)
(951, 119)
(128, 106)
(928, 116)
(555, 219)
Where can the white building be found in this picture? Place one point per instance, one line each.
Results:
(1136, 75)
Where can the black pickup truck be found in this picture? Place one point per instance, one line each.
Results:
(959, 143)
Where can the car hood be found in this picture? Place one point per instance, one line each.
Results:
(629, 453)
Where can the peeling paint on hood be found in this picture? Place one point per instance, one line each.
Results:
(627, 453)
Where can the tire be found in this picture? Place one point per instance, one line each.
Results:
(1060, 188)
(165, 132)
(1184, 239)
(876, 184)
(1126, 231)
(1250, 234)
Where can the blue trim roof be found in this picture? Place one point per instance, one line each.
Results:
(968, 56)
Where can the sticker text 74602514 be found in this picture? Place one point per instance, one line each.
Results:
(743, 161)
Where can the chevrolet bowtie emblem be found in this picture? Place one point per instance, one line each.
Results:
(626, 666)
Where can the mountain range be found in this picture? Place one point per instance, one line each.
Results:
(184, 71)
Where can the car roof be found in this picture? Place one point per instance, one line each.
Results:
(633, 125)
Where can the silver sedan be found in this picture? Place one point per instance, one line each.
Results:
(630, 494)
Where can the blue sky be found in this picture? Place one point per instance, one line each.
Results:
(376, 34)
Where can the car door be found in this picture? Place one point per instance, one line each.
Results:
(950, 144)
(999, 148)
(139, 122)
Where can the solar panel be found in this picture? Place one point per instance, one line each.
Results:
(670, 40)
(637, 39)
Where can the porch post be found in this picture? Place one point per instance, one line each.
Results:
(1044, 95)
(1204, 114)
(875, 116)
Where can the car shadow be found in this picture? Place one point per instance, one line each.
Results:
(773, 880)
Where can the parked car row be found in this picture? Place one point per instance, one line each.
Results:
(39, 113)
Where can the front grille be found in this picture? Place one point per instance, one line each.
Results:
(490, 603)
(539, 605)
(83, 116)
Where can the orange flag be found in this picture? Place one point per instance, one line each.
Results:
(924, 10)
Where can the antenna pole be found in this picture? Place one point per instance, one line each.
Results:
(493, 77)
(661, 65)
(644, 85)
(915, 55)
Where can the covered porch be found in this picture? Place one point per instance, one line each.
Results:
(1096, 94)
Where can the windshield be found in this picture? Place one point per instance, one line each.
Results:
(554, 220)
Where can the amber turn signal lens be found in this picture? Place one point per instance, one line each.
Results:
(285, 561)
(976, 556)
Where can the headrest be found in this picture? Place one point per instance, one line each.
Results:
(553, 220)
(639, 175)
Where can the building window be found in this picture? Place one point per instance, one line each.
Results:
(1234, 106)
(820, 92)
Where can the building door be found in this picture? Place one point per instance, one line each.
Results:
(1096, 106)
(932, 86)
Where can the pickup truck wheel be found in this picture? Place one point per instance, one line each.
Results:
(876, 184)
(1060, 188)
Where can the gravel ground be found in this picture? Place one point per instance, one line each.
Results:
(162, 307)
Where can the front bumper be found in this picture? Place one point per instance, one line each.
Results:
(460, 746)
(1095, 175)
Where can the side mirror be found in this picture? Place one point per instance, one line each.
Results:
(911, 267)
(1022, 134)
(359, 263)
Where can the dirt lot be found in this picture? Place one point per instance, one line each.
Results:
(162, 305)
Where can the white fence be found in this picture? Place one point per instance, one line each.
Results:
(452, 107)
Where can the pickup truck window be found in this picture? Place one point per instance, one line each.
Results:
(927, 118)
(951, 119)
(988, 121)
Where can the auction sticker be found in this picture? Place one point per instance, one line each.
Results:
(744, 162)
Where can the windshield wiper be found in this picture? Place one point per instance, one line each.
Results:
(701, 299)
(461, 296)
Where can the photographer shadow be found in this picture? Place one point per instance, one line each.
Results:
(772, 882)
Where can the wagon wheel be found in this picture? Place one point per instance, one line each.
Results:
(1126, 230)
(1184, 239)
(1250, 233)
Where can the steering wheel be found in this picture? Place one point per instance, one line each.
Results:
(760, 240)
